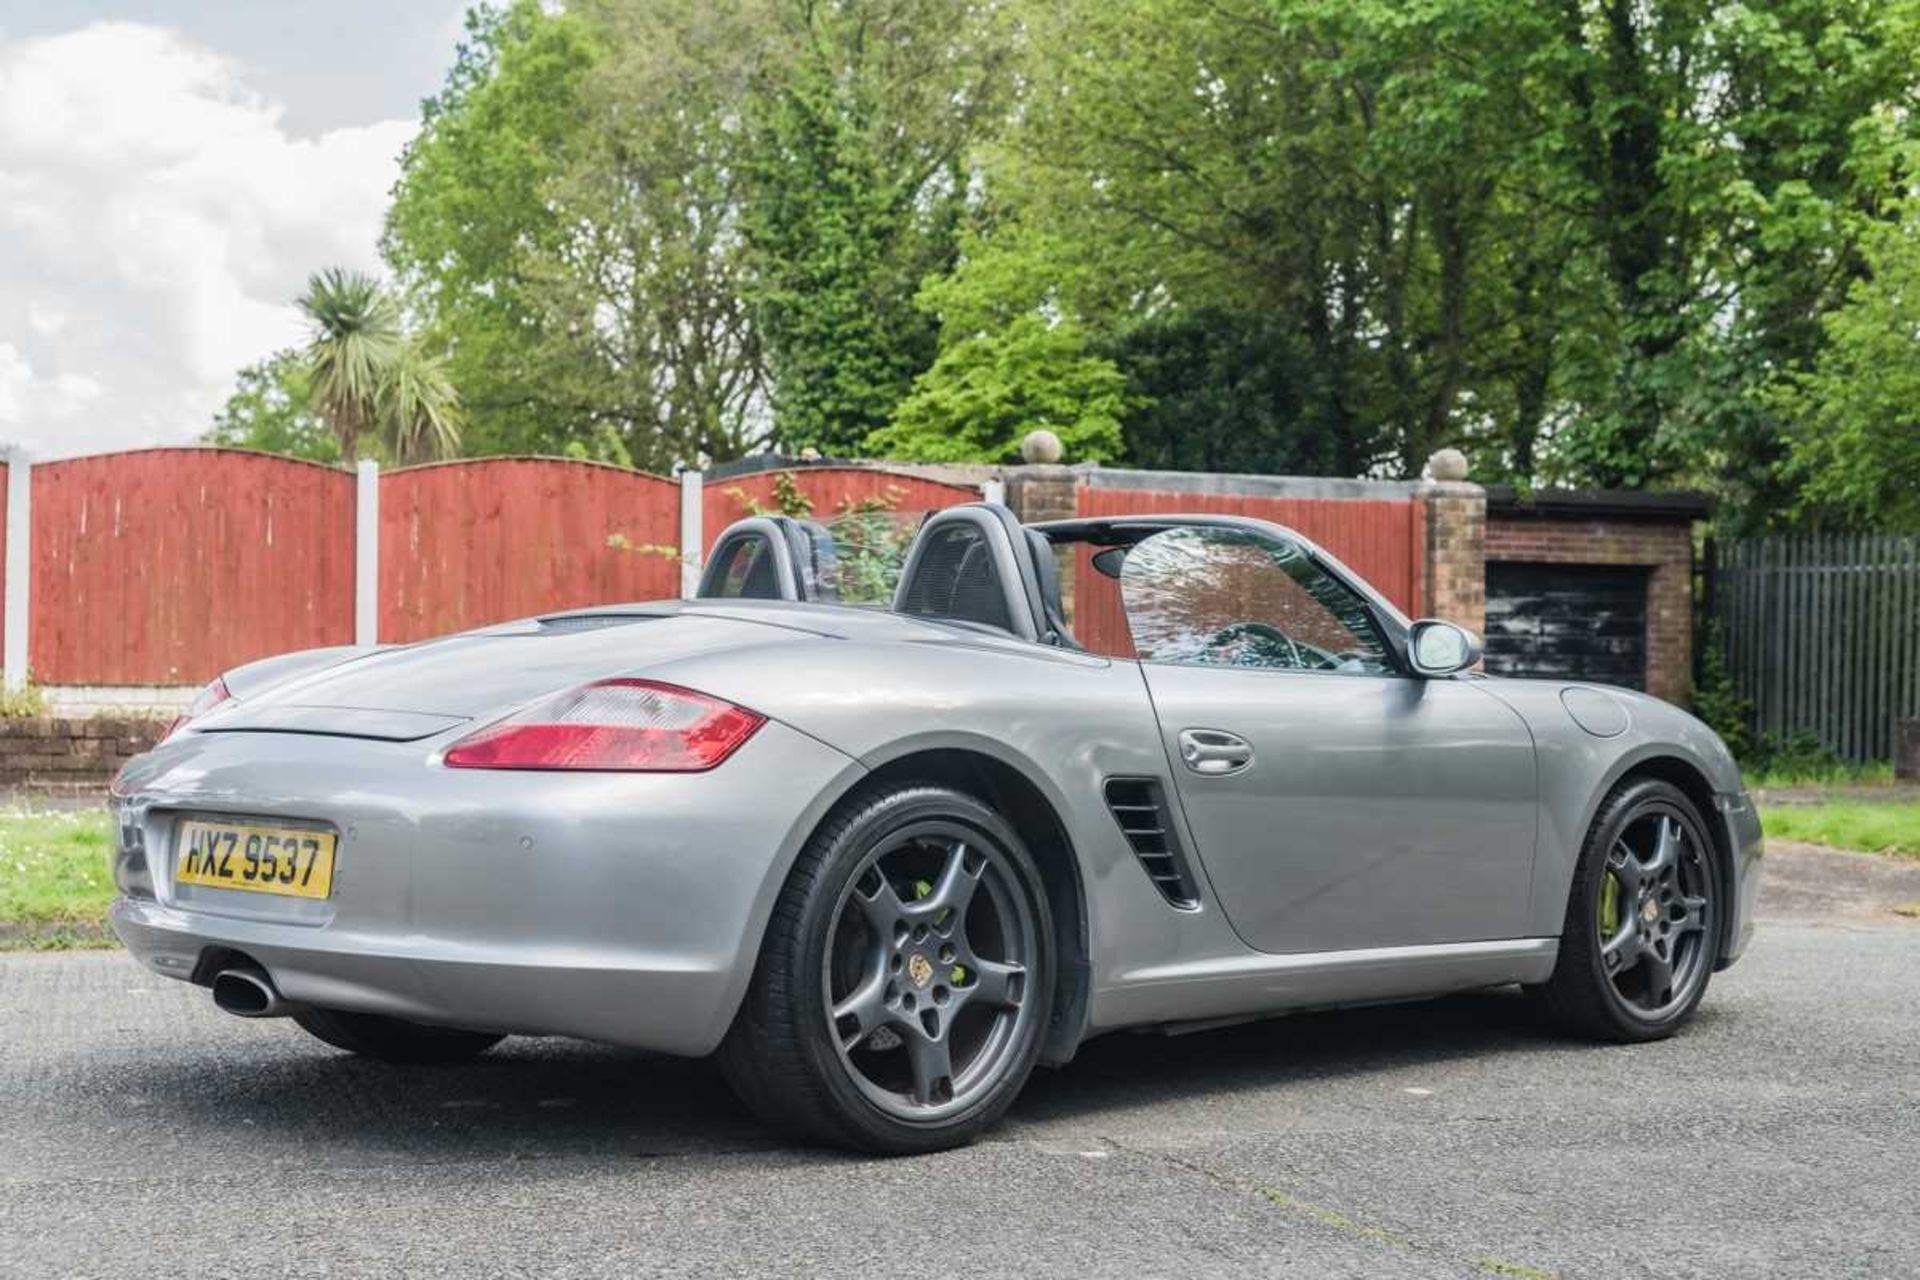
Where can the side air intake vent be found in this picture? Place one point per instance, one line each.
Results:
(1140, 807)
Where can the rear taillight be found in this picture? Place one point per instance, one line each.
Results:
(204, 701)
(627, 725)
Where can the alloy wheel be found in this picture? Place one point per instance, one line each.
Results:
(926, 971)
(1656, 913)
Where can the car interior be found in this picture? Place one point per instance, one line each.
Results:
(977, 565)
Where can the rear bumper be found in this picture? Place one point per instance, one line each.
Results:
(619, 907)
(1746, 844)
(675, 1003)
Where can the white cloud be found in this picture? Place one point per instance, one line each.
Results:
(21, 393)
(156, 219)
(15, 377)
(47, 321)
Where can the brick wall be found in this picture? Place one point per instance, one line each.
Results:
(1662, 545)
(71, 753)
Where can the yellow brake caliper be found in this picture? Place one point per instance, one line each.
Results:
(921, 888)
(1609, 906)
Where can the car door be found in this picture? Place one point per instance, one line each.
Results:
(1334, 802)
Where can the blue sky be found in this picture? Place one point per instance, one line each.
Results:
(170, 172)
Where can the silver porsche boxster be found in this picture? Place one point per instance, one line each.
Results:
(1141, 772)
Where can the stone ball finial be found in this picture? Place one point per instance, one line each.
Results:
(1447, 465)
(1041, 447)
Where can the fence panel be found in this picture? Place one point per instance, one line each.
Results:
(1822, 635)
(464, 544)
(830, 489)
(168, 566)
(1378, 538)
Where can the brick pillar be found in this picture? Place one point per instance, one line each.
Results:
(1455, 580)
(1047, 491)
(1670, 625)
(1039, 493)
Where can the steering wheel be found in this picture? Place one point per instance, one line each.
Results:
(1265, 640)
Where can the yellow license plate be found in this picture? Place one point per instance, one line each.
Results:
(295, 861)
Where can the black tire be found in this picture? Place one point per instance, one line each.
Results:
(841, 923)
(1635, 959)
(374, 1035)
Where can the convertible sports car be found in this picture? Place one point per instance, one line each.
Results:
(883, 861)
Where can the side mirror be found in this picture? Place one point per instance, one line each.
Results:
(1436, 648)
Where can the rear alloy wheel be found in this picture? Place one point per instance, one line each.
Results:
(1643, 919)
(374, 1035)
(905, 982)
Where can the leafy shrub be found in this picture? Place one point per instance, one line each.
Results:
(1719, 705)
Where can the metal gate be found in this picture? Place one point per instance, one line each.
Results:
(1822, 634)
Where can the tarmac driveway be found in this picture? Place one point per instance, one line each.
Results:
(142, 1132)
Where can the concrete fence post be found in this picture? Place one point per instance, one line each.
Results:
(993, 490)
(19, 567)
(366, 553)
(693, 543)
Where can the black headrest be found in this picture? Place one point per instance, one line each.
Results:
(1046, 576)
(953, 576)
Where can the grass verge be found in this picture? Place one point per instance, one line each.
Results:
(1827, 773)
(54, 880)
(1864, 826)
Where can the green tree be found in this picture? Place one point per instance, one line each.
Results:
(649, 324)
(863, 117)
(472, 211)
(1218, 390)
(356, 342)
(1853, 443)
(271, 410)
(986, 392)
(1588, 241)
(419, 412)
(1713, 153)
(1340, 179)
(569, 219)
(367, 380)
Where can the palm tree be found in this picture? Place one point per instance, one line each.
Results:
(420, 416)
(366, 374)
(356, 342)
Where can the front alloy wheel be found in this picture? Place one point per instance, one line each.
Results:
(905, 982)
(1643, 921)
(1654, 914)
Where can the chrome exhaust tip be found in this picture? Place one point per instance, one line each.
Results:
(247, 993)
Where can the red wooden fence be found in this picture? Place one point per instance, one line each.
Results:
(463, 544)
(830, 489)
(167, 566)
(1381, 539)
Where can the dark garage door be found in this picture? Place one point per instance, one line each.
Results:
(1580, 621)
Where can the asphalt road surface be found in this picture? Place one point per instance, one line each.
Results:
(144, 1133)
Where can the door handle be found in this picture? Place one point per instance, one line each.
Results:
(1214, 752)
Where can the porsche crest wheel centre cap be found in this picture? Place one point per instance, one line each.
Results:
(920, 969)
